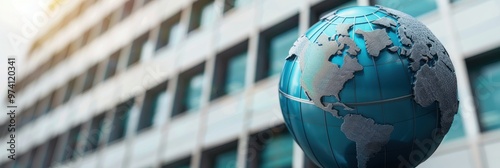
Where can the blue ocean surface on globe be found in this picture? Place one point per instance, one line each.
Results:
(368, 87)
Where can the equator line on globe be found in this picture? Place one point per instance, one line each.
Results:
(368, 87)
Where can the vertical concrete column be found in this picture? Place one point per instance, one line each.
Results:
(469, 114)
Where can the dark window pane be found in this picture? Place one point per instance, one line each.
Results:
(69, 90)
(235, 79)
(170, 32)
(203, 14)
(95, 133)
(193, 92)
(153, 102)
(112, 65)
(106, 23)
(278, 49)
(189, 88)
(89, 78)
(120, 120)
(127, 9)
(411, 7)
(182, 163)
(325, 7)
(226, 159)
(277, 152)
(49, 154)
(484, 73)
(70, 148)
(136, 50)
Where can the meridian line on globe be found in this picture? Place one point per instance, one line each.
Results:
(348, 104)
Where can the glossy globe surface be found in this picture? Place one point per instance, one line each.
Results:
(368, 87)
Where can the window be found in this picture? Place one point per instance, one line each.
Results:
(230, 68)
(325, 7)
(70, 149)
(69, 90)
(87, 37)
(128, 8)
(106, 23)
(230, 4)
(274, 148)
(112, 64)
(221, 156)
(136, 50)
(203, 14)
(43, 106)
(274, 46)
(170, 32)
(411, 7)
(182, 163)
(95, 133)
(154, 101)
(89, 78)
(58, 97)
(189, 88)
(49, 159)
(120, 120)
(484, 75)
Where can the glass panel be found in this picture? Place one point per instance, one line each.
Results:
(69, 90)
(235, 79)
(226, 159)
(278, 152)
(208, 15)
(411, 7)
(136, 50)
(175, 34)
(154, 103)
(95, 133)
(70, 149)
(170, 33)
(112, 65)
(119, 127)
(193, 92)
(485, 80)
(48, 158)
(89, 78)
(278, 50)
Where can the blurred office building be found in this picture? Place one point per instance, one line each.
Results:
(193, 83)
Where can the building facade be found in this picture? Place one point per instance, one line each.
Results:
(193, 83)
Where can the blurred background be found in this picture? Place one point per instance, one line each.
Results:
(193, 83)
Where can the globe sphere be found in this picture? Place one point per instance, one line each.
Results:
(368, 87)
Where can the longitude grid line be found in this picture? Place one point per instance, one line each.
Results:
(321, 28)
(354, 79)
(380, 93)
(325, 27)
(287, 105)
(305, 133)
(329, 140)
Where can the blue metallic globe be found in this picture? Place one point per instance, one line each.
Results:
(368, 87)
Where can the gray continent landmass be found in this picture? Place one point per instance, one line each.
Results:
(375, 40)
(368, 136)
(322, 78)
(435, 75)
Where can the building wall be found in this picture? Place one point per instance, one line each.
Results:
(467, 28)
